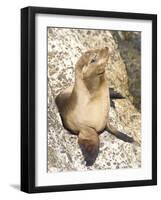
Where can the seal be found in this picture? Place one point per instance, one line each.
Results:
(84, 107)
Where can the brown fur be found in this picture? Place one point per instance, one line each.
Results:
(84, 107)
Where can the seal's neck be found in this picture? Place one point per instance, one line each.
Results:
(90, 85)
(94, 84)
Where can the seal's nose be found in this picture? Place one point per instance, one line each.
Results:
(107, 48)
(105, 51)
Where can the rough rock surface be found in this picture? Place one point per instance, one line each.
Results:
(64, 48)
(129, 45)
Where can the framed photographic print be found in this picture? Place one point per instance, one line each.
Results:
(88, 99)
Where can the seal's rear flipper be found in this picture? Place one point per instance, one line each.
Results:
(88, 140)
(112, 103)
(119, 134)
(115, 95)
(124, 137)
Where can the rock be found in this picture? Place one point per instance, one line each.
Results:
(64, 49)
(130, 50)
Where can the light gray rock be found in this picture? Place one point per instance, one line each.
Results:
(64, 49)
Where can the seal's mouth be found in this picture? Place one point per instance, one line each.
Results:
(101, 72)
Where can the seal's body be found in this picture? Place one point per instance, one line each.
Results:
(84, 107)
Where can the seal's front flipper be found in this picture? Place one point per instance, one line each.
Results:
(88, 140)
(119, 134)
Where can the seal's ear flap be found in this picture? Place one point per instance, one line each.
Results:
(80, 62)
(83, 60)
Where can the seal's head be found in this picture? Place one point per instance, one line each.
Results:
(92, 63)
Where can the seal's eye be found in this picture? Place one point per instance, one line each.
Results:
(93, 60)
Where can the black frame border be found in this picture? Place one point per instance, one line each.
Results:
(28, 98)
